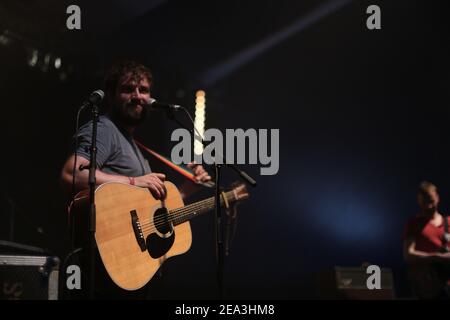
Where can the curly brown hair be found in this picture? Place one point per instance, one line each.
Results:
(133, 69)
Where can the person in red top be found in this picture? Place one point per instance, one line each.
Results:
(426, 246)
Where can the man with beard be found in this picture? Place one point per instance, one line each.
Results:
(426, 247)
(127, 89)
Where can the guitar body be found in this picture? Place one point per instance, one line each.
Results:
(133, 234)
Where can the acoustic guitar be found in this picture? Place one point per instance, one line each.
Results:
(135, 233)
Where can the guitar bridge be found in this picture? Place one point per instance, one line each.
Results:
(138, 230)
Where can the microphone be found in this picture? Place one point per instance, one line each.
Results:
(95, 98)
(154, 104)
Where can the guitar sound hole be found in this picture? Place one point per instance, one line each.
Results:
(161, 221)
(158, 246)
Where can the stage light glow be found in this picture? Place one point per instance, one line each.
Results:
(58, 63)
(200, 118)
(32, 62)
(346, 214)
(229, 66)
(4, 40)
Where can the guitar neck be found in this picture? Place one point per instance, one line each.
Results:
(180, 215)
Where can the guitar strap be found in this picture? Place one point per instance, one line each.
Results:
(186, 172)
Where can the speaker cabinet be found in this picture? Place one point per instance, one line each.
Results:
(350, 283)
(28, 277)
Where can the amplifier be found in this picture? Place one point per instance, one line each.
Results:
(29, 277)
(350, 283)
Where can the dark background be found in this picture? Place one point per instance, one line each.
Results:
(362, 116)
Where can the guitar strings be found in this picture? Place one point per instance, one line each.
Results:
(150, 227)
(175, 215)
(180, 213)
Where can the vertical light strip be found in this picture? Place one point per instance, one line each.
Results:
(200, 103)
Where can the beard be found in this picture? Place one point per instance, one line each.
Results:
(131, 114)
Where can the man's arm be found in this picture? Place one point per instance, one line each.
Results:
(413, 256)
(153, 181)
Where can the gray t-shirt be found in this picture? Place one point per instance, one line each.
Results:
(117, 153)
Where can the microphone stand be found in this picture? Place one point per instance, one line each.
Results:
(217, 208)
(218, 232)
(92, 210)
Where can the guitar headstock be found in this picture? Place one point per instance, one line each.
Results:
(240, 191)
